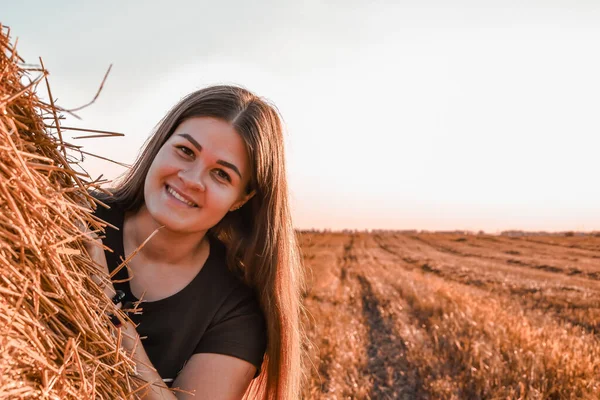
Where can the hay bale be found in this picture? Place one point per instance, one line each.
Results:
(56, 340)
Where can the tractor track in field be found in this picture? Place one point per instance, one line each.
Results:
(594, 275)
(392, 375)
(526, 244)
(570, 246)
(345, 262)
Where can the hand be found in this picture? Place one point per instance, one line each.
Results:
(95, 248)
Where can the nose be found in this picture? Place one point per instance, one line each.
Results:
(192, 178)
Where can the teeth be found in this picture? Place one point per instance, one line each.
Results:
(178, 197)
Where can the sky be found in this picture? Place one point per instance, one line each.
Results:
(431, 115)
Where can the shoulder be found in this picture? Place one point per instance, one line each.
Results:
(237, 295)
(238, 327)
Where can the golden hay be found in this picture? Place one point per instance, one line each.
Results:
(56, 341)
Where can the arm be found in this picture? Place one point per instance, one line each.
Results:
(214, 376)
(207, 375)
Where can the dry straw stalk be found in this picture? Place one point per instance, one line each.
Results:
(56, 341)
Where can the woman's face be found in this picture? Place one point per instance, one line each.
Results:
(205, 163)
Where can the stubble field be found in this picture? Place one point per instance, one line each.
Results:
(450, 316)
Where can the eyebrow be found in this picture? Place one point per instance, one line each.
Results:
(199, 148)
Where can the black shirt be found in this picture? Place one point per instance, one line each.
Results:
(215, 313)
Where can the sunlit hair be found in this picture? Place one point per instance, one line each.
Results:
(260, 239)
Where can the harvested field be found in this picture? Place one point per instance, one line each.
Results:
(449, 316)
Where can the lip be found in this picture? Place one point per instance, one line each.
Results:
(188, 198)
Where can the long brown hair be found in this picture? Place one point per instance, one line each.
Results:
(260, 239)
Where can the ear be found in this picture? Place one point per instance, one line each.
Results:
(242, 201)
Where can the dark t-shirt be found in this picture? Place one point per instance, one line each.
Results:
(215, 313)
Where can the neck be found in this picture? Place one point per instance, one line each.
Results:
(166, 246)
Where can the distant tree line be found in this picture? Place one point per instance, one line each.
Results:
(511, 233)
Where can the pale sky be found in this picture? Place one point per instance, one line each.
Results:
(400, 114)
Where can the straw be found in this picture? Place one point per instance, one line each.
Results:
(56, 340)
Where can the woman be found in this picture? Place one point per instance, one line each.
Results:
(219, 278)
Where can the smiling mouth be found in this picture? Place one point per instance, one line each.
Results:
(171, 192)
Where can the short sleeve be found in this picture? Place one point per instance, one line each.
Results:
(238, 330)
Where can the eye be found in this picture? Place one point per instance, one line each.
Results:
(186, 150)
(223, 175)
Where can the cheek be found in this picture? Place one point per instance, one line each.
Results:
(163, 165)
(219, 197)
